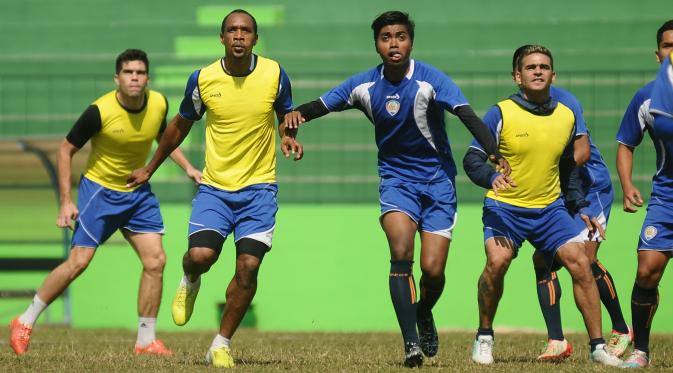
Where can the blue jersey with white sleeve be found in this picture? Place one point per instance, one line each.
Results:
(595, 173)
(408, 119)
(636, 121)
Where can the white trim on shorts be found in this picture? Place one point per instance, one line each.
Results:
(206, 229)
(396, 210)
(265, 237)
(145, 232)
(448, 232)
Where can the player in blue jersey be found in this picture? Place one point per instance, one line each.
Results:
(405, 100)
(655, 244)
(537, 134)
(597, 187)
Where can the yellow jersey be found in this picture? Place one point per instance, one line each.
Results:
(533, 145)
(124, 140)
(240, 121)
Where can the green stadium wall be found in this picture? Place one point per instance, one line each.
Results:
(328, 271)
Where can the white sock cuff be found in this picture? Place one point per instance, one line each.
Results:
(147, 320)
(220, 341)
(39, 302)
(185, 281)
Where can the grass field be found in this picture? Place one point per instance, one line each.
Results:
(62, 349)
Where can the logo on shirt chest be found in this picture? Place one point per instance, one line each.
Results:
(393, 104)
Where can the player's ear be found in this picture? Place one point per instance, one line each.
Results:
(553, 76)
(255, 41)
(656, 54)
(116, 79)
(517, 77)
(222, 38)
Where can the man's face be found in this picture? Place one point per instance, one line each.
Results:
(665, 47)
(132, 78)
(536, 73)
(239, 36)
(394, 45)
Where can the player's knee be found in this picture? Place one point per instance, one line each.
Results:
(155, 263)
(647, 277)
(432, 271)
(497, 265)
(247, 267)
(78, 261)
(202, 256)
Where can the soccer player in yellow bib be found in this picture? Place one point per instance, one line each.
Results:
(533, 132)
(121, 126)
(239, 94)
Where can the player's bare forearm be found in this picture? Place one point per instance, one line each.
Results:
(175, 133)
(581, 150)
(625, 165)
(631, 197)
(181, 160)
(64, 167)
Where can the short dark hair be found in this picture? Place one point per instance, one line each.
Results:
(667, 26)
(529, 49)
(254, 21)
(517, 56)
(393, 17)
(132, 55)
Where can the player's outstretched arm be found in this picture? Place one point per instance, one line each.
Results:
(632, 199)
(68, 210)
(304, 113)
(175, 133)
(483, 136)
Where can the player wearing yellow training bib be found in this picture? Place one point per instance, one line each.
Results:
(121, 126)
(241, 95)
(533, 133)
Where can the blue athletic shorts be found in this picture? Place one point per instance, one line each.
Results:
(657, 230)
(102, 211)
(547, 229)
(431, 205)
(249, 212)
(600, 204)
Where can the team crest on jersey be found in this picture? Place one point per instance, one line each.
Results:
(392, 107)
(650, 232)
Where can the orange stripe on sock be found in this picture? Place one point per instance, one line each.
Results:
(412, 287)
(653, 309)
(612, 289)
(552, 297)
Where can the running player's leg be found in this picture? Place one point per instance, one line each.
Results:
(144, 230)
(210, 222)
(400, 213)
(600, 204)
(254, 217)
(438, 217)
(400, 231)
(644, 302)
(151, 253)
(504, 232)
(549, 296)
(99, 217)
(556, 238)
